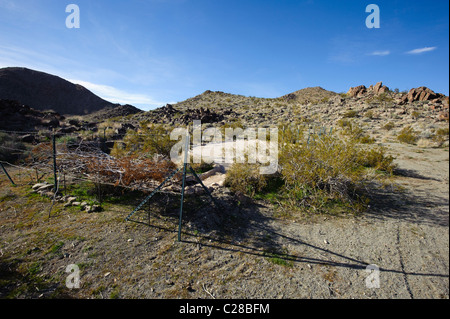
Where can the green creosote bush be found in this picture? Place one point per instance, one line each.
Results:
(245, 178)
(355, 132)
(407, 135)
(152, 139)
(328, 175)
(388, 126)
(350, 114)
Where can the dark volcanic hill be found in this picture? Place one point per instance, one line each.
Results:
(43, 91)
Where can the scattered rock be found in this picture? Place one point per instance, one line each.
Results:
(39, 185)
(70, 200)
(45, 188)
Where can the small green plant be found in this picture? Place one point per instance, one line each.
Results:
(369, 114)
(280, 258)
(245, 178)
(388, 126)
(441, 135)
(355, 132)
(407, 135)
(56, 248)
(351, 114)
(376, 158)
(415, 114)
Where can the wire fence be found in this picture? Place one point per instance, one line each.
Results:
(88, 159)
(69, 155)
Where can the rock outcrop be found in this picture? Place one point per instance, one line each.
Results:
(18, 117)
(357, 91)
(361, 90)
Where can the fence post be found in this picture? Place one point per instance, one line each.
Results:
(6, 173)
(186, 151)
(54, 162)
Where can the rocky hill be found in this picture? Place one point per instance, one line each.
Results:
(43, 91)
(311, 106)
(310, 95)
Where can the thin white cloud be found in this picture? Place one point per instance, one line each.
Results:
(115, 95)
(422, 50)
(381, 53)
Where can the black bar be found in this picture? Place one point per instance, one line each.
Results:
(6, 173)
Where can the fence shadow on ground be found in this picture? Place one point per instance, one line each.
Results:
(246, 230)
(412, 206)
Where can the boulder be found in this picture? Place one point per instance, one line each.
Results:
(71, 199)
(39, 185)
(44, 188)
(357, 91)
(421, 94)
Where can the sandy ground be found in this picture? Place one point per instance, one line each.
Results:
(404, 237)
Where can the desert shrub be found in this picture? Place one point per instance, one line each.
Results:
(407, 135)
(151, 140)
(388, 126)
(355, 132)
(202, 167)
(327, 175)
(323, 175)
(11, 148)
(350, 114)
(441, 135)
(129, 170)
(331, 174)
(415, 114)
(369, 114)
(245, 178)
(290, 135)
(319, 163)
(376, 158)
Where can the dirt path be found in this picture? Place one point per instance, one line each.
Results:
(405, 236)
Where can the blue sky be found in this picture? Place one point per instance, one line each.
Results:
(152, 52)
